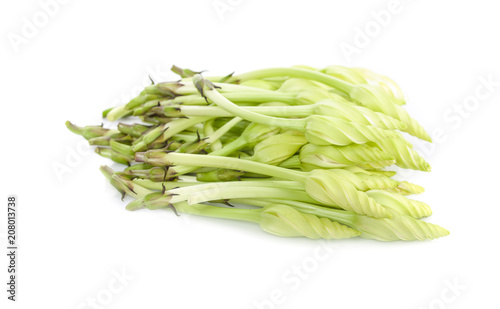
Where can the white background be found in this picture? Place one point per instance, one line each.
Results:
(75, 234)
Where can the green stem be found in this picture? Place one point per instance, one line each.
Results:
(295, 72)
(224, 151)
(276, 111)
(232, 163)
(341, 216)
(251, 215)
(166, 131)
(208, 130)
(221, 101)
(275, 184)
(245, 192)
(292, 162)
(215, 136)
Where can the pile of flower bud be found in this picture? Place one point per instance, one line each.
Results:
(299, 151)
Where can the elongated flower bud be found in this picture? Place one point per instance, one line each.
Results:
(330, 189)
(359, 114)
(255, 132)
(113, 155)
(286, 221)
(106, 140)
(359, 76)
(324, 130)
(383, 82)
(365, 181)
(183, 72)
(327, 157)
(156, 174)
(220, 174)
(371, 171)
(275, 149)
(122, 147)
(347, 74)
(401, 204)
(311, 95)
(89, 132)
(402, 151)
(293, 85)
(152, 201)
(407, 188)
(134, 130)
(377, 100)
(165, 89)
(141, 99)
(399, 227)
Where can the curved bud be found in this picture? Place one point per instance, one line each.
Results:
(385, 83)
(347, 74)
(402, 151)
(325, 130)
(359, 114)
(365, 181)
(115, 156)
(285, 221)
(310, 95)
(375, 99)
(328, 157)
(401, 204)
(331, 189)
(400, 227)
(220, 174)
(359, 76)
(293, 85)
(89, 132)
(255, 132)
(152, 201)
(407, 188)
(275, 149)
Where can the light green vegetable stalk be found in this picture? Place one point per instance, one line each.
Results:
(280, 220)
(275, 149)
(359, 76)
(328, 157)
(305, 148)
(344, 111)
(366, 95)
(399, 227)
(319, 130)
(323, 186)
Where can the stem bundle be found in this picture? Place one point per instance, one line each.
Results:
(304, 149)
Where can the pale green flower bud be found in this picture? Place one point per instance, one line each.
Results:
(377, 100)
(402, 151)
(327, 157)
(331, 189)
(359, 114)
(255, 132)
(401, 204)
(325, 130)
(275, 149)
(286, 221)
